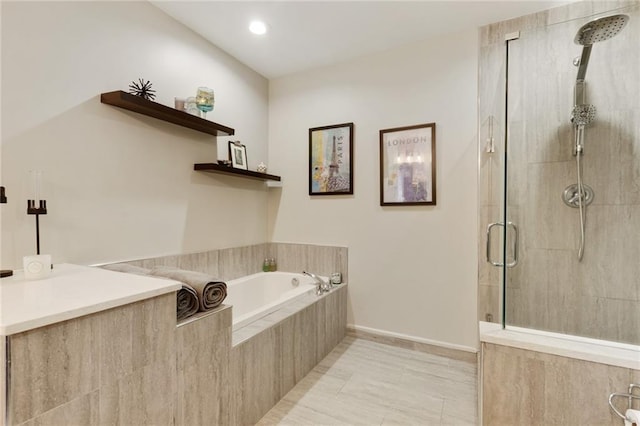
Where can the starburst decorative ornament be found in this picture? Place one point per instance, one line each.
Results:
(142, 89)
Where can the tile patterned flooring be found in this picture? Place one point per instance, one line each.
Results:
(367, 383)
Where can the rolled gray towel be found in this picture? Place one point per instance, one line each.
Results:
(187, 303)
(211, 291)
(186, 298)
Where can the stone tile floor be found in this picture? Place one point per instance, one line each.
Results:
(367, 383)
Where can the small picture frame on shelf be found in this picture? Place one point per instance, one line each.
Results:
(238, 155)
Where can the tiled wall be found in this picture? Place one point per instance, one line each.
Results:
(549, 289)
(523, 387)
(236, 262)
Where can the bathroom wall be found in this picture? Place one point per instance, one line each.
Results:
(411, 269)
(550, 289)
(120, 185)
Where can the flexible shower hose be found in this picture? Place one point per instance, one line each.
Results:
(581, 194)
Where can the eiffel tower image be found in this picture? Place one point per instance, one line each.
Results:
(333, 166)
(335, 182)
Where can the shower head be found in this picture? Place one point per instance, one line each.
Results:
(600, 29)
(583, 114)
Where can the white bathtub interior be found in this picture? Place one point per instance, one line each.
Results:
(256, 296)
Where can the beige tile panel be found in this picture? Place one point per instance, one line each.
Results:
(548, 290)
(607, 269)
(235, 262)
(553, 225)
(303, 346)
(290, 257)
(265, 367)
(205, 262)
(617, 320)
(144, 397)
(53, 365)
(203, 382)
(136, 335)
(241, 261)
(321, 260)
(83, 410)
(526, 387)
(255, 373)
(489, 303)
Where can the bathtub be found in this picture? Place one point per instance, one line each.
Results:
(258, 295)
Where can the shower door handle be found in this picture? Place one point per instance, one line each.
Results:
(489, 228)
(515, 244)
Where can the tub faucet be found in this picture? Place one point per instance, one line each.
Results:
(321, 285)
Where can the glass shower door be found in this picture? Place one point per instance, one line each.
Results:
(547, 286)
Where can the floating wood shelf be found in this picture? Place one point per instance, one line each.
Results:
(217, 168)
(140, 105)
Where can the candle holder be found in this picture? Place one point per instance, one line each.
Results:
(37, 211)
(3, 200)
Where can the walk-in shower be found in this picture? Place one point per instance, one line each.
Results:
(569, 328)
(552, 134)
(580, 195)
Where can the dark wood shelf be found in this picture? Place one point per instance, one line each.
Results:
(140, 105)
(217, 168)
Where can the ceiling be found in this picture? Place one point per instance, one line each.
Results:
(307, 34)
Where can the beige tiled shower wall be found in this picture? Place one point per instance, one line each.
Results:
(231, 263)
(550, 289)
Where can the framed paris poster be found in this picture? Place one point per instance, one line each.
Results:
(331, 160)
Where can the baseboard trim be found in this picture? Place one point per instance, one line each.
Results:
(458, 352)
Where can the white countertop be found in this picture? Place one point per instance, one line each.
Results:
(71, 291)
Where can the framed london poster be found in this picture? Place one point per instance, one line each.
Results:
(331, 160)
(408, 165)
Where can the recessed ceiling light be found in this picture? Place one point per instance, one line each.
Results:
(258, 27)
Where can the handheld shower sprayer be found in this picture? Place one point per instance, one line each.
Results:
(581, 115)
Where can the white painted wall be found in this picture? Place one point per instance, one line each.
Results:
(412, 270)
(120, 185)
